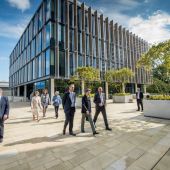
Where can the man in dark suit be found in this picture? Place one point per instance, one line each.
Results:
(4, 112)
(100, 101)
(139, 99)
(69, 102)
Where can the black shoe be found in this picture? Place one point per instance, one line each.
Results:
(64, 132)
(108, 129)
(137, 110)
(1, 140)
(95, 133)
(82, 131)
(72, 134)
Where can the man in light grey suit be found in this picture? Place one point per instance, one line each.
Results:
(4, 113)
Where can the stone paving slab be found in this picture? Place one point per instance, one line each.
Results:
(135, 142)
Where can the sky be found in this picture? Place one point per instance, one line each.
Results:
(149, 19)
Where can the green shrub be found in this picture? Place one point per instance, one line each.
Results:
(159, 97)
(121, 94)
(159, 87)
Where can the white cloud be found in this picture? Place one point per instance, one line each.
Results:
(154, 29)
(20, 4)
(12, 30)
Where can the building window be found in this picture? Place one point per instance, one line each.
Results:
(40, 18)
(71, 15)
(79, 42)
(48, 10)
(28, 53)
(61, 11)
(47, 35)
(61, 36)
(33, 48)
(71, 63)
(80, 60)
(79, 18)
(47, 62)
(33, 69)
(39, 66)
(62, 63)
(71, 40)
(39, 43)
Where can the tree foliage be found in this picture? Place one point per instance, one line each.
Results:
(86, 74)
(159, 87)
(121, 76)
(157, 56)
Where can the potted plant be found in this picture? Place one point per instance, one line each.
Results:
(157, 60)
(157, 106)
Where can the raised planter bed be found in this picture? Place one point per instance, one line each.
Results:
(122, 99)
(157, 108)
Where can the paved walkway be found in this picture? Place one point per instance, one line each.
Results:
(135, 143)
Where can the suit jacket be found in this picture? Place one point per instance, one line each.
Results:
(97, 99)
(66, 102)
(86, 104)
(140, 95)
(4, 104)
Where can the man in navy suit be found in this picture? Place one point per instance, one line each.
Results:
(4, 112)
(69, 104)
(139, 99)
(100, 101)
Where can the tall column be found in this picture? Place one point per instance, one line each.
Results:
(144, 88)
(107, 90)
(52, 88)
(18, 91)
(25, 93)
(136, 86)
(13, 94)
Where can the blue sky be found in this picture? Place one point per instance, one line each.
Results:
(150, 19)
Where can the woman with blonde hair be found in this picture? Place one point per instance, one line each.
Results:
(36, 106)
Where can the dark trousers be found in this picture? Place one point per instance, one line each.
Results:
(84, 115)
(1, 128)
(140, 102)
(103, 110)
(56, 110)
(69, 117)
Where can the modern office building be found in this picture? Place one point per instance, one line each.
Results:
(4, 85)
(65, 34)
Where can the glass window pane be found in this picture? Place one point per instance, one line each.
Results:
(61, 36)
(62, 63)
(39, 66)
(47, 62)
(47, 35)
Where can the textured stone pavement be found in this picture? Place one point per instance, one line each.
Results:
(135, 143)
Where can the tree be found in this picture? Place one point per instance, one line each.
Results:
(87, 74)
(157, 57)
(121, 76)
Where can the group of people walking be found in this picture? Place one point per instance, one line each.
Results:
(40, 103)
(69, 105)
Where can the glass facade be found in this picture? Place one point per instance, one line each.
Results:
(53, 45)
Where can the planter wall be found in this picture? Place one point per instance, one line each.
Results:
(123, 99)
(157, 108)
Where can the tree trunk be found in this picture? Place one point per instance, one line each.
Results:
(82, 87)
(106, 90)
(123, 87)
